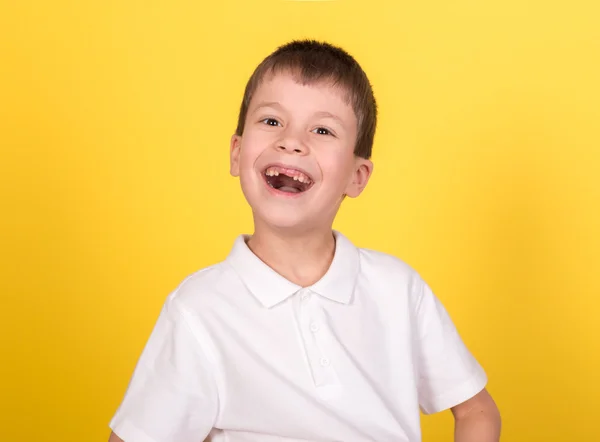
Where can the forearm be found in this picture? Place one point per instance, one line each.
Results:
(478, 427)
(115, 438)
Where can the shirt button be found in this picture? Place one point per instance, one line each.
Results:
(304, 296)
(314, 327)
(324, 362)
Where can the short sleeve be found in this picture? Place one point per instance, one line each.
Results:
(448, 372)
(172, 396)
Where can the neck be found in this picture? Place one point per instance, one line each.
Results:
(301, 257)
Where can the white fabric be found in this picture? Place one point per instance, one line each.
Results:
(240, 354)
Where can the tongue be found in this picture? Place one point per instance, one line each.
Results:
(287, 184)
(289, 189)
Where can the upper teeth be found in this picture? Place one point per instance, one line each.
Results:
(292, 173)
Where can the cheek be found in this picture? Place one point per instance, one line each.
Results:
(248, 154)
(253, 145)
(247, 159)
(336, 169)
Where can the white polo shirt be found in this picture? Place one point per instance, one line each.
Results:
(241, 354)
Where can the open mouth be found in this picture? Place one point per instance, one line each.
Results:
(287, 180)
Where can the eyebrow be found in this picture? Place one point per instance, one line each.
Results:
(267, 104)
(324, 114)
(321, 114)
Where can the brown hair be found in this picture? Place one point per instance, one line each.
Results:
(314, 62)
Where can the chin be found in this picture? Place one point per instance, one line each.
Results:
(292, 212)
(286, 220)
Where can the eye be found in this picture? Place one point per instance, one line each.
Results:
(322, 131)
(271, 122)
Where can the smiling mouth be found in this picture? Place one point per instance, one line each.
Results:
(287, 180)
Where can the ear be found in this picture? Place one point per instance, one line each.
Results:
(234, 155)
(363, 169)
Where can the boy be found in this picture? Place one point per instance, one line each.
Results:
(298, 335)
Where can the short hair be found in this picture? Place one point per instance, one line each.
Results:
(314, 62)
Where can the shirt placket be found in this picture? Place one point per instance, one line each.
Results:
(314, 332)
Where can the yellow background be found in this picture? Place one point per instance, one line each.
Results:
(115, 118)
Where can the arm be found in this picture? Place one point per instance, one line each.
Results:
(114, 438)
(450, 376)
(172, 395)
(477, 419)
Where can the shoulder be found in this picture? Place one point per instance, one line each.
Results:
(387, 267)
(384, 261)
(207, 279)
(389, 277)
(206, 288)
(201, 303)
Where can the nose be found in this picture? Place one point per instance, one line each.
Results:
(292, 143)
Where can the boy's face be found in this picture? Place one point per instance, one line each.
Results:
(296, 158)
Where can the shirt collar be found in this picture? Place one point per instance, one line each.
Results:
(270, 288)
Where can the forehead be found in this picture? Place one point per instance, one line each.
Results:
(288, 89)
